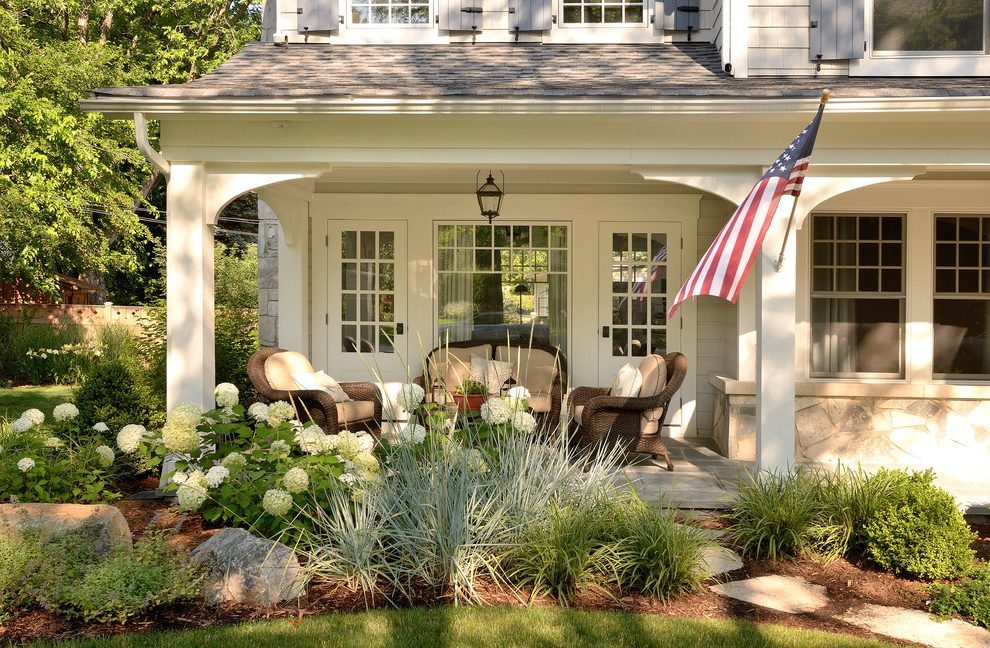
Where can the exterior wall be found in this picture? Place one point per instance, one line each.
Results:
(778, 41)
(267, 275)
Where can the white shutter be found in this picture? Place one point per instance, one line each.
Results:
(532, 15)
(836, 30)
(680, 15)
(317, 15)
(461, 15)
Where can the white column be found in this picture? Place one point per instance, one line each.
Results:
(775, 322)
(189, 289)
(746, 309)
(293, 270)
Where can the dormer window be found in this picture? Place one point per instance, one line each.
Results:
(609, 12)
(390, 12)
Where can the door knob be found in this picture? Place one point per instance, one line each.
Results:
(604, 331)
(399, 329)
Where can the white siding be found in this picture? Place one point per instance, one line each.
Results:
(717, 37)
(778, 40)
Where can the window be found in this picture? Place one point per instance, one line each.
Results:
(961, 309)
(499, 281)
(857, 295)
(603, 11)
(367, 291)
(390, 12)
(928, 26)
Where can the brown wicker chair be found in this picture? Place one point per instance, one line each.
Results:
(314, 404)
(605, 418)
(548, 419)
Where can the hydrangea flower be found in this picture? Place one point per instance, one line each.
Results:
(192, 492)
(65, 412)
(179, 477)
(496, 411)
(216, 475)
(366, 441)
(410, 396)
(347, 445)
(186, 414)
(53, 442)
(21, 425)
(129, 438)
(280, 449)
(258, 411)
(36, 416)
(234, 462)
(276, 502)
(311, 439)
(518, 397)
(348, 479)
(296, 480)
(101, 427)
(365, 468)
(226, 395)
(25, 464)
(412, 433)
(523, 422)
(279, 412)
(106, 455)
(178, 436)
(476, 461)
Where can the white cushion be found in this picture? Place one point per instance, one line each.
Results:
(479, 368)
(628, 381)
(320, 381)
(490, 373)
(354, 411)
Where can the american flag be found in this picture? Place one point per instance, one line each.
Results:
(723, 269)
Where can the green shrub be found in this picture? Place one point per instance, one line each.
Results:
(919, 531)
(970, 597)
(18, 556)
(41, 354)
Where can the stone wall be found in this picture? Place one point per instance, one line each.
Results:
(267, 275)
(948, 435)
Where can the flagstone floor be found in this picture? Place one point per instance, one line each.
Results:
(702, 478)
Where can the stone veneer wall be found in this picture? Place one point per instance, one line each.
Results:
(267, 275)
(945, 434)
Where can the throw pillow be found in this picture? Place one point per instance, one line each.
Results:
(628, 382)
(320, 381)
(498, 372)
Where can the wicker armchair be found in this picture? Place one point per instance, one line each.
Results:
(600, 417)
(549, 418)
(317, 405)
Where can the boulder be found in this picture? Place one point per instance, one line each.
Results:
(101, 525)
(244, 568)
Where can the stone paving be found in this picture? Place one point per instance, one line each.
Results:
(791, 594)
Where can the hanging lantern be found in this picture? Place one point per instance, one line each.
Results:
(489, 196)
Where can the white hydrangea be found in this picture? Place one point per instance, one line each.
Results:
(296, 480)
(25, 464)
(279, 412)
(412, 433)
(226, 395)
(518, 397)
(186, 414)
(280, 449)
(101, 427)
(476, 461)
(106, 455)
(496, 411)
(348, 478)
(36, 416)
(234, 462)
(216, 475)
(410, 396)
(21, 425)
(130, 437)
(311, 440)
(65, 412)
(179, 477)
(258, 411)
(523, 422)
(365, 467)
(179, 437)
(53, 442)
(276, 502)
(347, 444)
(192, 492)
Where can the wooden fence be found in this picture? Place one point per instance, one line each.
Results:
(90, 317)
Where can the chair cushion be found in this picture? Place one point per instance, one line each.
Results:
(627, 383)
(578, 411)
(534, 369)
(354, 411)
(280, 366)
(541, 403)
(320, 381)
(654, 372)
(452, 365)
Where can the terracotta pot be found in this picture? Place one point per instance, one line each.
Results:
(469, 402)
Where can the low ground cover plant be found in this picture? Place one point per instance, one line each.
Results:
(970, 597)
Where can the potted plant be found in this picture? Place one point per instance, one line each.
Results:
(469, 395)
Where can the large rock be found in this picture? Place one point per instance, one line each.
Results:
(790, 594)
(103, 526)
(243, 568)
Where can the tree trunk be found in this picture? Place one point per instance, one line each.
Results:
(105, 27)
(82, 23)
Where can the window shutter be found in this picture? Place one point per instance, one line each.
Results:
(836, 29)
(680, 15)
(460, 15)
(532, 15)
(317, 15)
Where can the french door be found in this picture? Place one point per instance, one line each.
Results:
(366, 299)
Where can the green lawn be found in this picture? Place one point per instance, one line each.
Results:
(15, 400)
(474, 627)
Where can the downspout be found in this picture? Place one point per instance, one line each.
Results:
(144, 145)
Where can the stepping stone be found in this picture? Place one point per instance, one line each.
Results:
(917, 626)
(790, 594)
(720, 560)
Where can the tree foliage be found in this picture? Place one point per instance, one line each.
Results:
(71, 183)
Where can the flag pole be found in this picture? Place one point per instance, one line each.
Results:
(790, 219)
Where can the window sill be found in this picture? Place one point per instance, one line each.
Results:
(847, 388)
(931, 65)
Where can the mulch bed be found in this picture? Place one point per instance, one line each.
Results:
(849, 583)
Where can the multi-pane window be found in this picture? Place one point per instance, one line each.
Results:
(603, 11)
(928, 25)
(502, 281)
(639, 294)
(857, 295)
(961, 308)
(390, 12)
(367, 291)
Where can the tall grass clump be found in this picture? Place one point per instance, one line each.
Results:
(26, 353)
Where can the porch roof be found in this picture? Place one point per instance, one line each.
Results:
(692, 70)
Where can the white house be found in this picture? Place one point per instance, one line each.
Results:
(627, 132)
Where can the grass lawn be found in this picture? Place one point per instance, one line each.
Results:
(15, 400)
(474, 627)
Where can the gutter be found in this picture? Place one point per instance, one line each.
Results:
(144, 145)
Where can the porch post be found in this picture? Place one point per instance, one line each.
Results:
(775, 339)
(293, 270)
(189, 289)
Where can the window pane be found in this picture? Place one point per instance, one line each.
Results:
(928, 25)
(856, 336)
(962, 336)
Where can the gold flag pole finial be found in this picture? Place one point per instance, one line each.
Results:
(826, 93)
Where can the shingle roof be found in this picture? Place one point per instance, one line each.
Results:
(527, 70)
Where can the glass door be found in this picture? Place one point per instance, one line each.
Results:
(367, 299)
